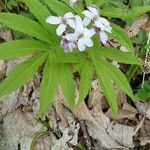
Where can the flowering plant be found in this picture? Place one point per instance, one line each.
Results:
(75, 43)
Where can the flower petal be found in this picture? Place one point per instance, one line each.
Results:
(86, 21)
(94, 11)
(104, 21)
(88, 42)
(53, 20)
(71, 23)
(72, 46)
(88, 14)
(72, 37)
(79, 29)
(81, 45)
(103, 37)
(61, 28)
(88, 33)
(68, 15)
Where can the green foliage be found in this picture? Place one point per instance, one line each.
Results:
(46, 51)
(21, 74)
(144, 93)
(85, 81)
(115, 12)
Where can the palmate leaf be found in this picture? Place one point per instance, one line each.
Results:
(21, 74)
(58, 7)
(18, 48)
(119, 34)
(85, 81)
(117, 76)
(49, 85)
(25, 25)
(117, 55)
(107, 86)
(67, 83)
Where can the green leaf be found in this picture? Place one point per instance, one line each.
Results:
(67, 83)
(58, 7)
(88, 2)
(118, 77)
(102, 2)
(147, 46)
(18, 48)
(48, 86)
(114, 12)
(137, 11)
(21, 74)
(117, 55)
(119, 34)
(85, 81)
(39, 11)
(25, 25)
(144, 93)
(107, 87)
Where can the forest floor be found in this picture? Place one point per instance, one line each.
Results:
(90, 126)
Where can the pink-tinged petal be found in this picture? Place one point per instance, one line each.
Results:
(72, 46)
(72, 37)
(88, 14)
(103, 37)
(68, 15)
(81, 45)
(92, 32)
(86, 21)
(94, 11)
(88, 42)
(53, 20)
(61, 29)
(79, 25)
(71, 23)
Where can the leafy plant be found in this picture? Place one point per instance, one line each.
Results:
(45, 48)
(143, 93)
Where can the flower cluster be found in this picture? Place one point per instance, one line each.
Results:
(77, 32)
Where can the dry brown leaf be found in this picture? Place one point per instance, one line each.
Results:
(134, 29)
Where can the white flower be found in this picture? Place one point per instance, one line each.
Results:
(102, 35)
(71, 2)
(82, 36)
(92, 14)
(67, 45)
(62, 22)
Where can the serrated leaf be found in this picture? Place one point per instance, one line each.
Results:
(118, 77)
(114, 12)
(85, 81)
(117, 55)
(58, 7)
(107, 87)
(39, 11)
(121, 36)
(102, 2)
(137, 11)
(48, 86)
(25, 25)
(21, 74)
(67, 83)
(143, 93)
(20, 48)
